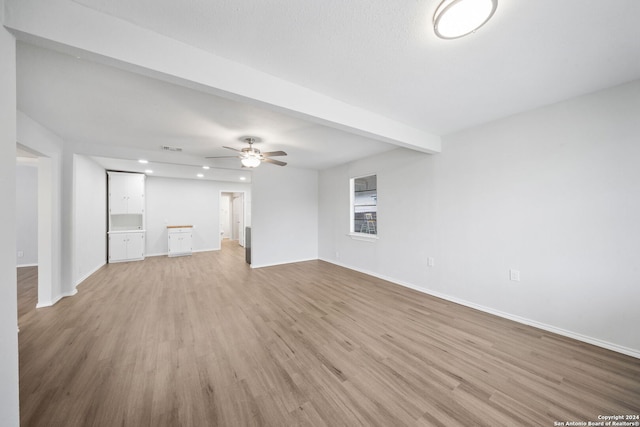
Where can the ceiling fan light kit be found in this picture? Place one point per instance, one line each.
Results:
(458, 18)
(251, 157)
(250, 162)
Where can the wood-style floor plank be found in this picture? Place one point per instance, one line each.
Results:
(207, 341)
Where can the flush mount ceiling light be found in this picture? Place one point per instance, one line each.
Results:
(457, 18)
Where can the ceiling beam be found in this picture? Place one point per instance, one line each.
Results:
(67, 26)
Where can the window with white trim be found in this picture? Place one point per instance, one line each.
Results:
(364, 205)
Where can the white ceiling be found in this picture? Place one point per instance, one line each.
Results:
(86, 102)
(377, 55)
(383, 55)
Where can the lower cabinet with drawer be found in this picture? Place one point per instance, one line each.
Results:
(180, 239)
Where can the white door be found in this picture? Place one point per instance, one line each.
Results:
(225, 215)
(238, 217)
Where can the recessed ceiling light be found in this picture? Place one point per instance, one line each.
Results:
(242, 178)
(200, 175)
(148, 171)
(206, 167)
(457, 18)
(143, 161)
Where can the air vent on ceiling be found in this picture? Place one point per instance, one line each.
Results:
(167, 148)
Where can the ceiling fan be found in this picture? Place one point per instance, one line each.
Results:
(251, 157)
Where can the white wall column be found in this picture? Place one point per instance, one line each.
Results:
(68, 287)
(9, 392)
(284, 215)
(45, 232)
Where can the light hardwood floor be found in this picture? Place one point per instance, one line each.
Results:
(206, 341)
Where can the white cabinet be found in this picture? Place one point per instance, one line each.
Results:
(126, 193)
(126, 246)
(126, 216)
(180, 240)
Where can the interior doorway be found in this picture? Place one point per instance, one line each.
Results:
(26, 228)
(232, 217)
(44, 226)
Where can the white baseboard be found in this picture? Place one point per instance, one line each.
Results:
(152, 255)
(86, 276)
(283, 263)
(207, 250)
(58, 298)
(549, 328)
(196, 251)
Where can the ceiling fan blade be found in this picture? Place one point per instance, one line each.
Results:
(231, 148)
(274, 161)
(223, 157)
(274, 153)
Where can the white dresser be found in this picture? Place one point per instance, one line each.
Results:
(180, 239)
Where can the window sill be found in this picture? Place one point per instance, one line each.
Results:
(364, 237)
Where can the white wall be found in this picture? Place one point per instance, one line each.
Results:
(285, 215)
(9, 407)
(405, 216)
(90, 207)
(552, 193)
(185, 202)
(27, 213)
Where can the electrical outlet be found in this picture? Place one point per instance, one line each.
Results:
(430, 261)
(337, 255)
(20, 254)
(514, 275)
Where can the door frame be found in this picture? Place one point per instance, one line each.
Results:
(241, 233)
